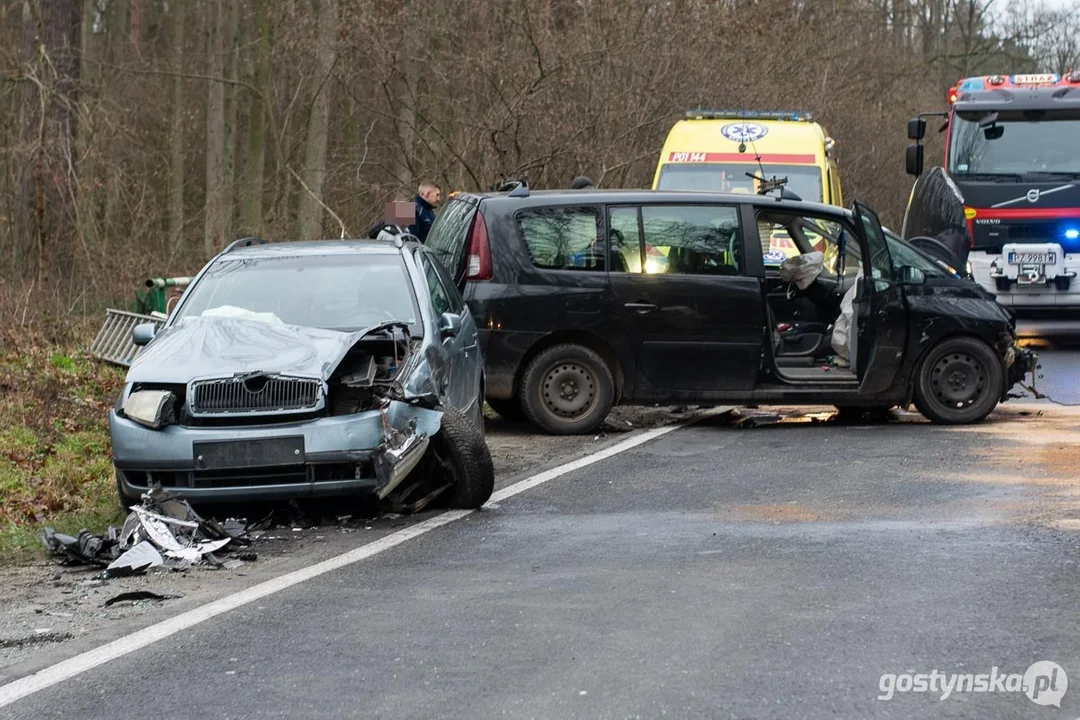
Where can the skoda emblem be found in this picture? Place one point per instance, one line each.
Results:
(1033, 195)
(744, 131)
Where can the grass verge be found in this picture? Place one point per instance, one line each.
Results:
(55, 459)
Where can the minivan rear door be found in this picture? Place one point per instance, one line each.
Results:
(692, 310)
(449, 235)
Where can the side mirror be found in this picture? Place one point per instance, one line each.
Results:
(449, 325)
(913, 160)
(143, 333)
(912, 275)
(916, 129)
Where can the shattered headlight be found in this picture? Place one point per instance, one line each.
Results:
(152, 408)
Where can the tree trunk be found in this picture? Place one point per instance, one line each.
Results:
(25, 240)
(232, 72)
(309, 220)
(214, 230)
(176, 146)
(252, 211)
(53, 34)
(89, 162)
(405, 89)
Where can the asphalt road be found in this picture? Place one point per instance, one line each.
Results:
(712, 572)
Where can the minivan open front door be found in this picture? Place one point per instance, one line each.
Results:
(880, 309)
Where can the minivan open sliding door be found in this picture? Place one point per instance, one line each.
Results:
(685, 296)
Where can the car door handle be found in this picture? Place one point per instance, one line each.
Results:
(640, 308)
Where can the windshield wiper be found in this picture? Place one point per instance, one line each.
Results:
(1061, 174)
(995, 176)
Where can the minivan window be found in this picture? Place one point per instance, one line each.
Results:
(692, 239)
(563, 238)
(625, 239)
(449, 235)
(817, 234)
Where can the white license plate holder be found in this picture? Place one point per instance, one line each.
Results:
(1030, 274)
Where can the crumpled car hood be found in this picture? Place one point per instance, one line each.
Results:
(202, 347)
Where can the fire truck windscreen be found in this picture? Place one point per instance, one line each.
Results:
(1016, 143)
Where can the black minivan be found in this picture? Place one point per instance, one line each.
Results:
(591, 298)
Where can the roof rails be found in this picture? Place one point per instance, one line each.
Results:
(514, 188)
(794, 115)
(244, 242)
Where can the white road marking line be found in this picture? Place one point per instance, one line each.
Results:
(79, 664)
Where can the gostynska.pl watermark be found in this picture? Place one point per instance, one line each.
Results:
(1044, 682)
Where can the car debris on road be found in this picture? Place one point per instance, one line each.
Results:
(163, 531)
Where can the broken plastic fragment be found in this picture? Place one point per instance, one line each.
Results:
(196, 552)
(135, 595)
(138, 559)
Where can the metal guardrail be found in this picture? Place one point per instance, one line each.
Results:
(113, 342)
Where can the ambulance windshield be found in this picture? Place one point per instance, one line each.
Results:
(804, 181)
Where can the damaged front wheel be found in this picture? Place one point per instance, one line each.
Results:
(461, 460)
(959, 382)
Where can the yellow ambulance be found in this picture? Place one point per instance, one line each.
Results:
(719, 150)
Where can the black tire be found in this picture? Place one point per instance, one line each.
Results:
(508, 408)
(959, 382)
(567, 390)
(459, 447)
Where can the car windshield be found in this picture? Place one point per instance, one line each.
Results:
(803, 180)
(904, 254)
(1028, 143)
(332, 292)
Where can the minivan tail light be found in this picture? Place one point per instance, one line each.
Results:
(479, 267)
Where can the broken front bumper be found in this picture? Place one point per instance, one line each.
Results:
(367, 452)
(1019, 362)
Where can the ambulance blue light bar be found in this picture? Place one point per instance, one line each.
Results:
(748, 115)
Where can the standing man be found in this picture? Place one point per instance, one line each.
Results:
(427, 198)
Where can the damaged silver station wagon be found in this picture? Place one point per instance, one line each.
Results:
(300, 369)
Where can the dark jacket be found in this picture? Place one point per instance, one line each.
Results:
(425, 216)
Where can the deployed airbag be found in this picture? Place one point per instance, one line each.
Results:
(802, 270)
(841, 336)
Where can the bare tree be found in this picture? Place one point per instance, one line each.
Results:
(52, 39)
(309, 220)
(215, 206)
(176, 131)
(267, 114)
